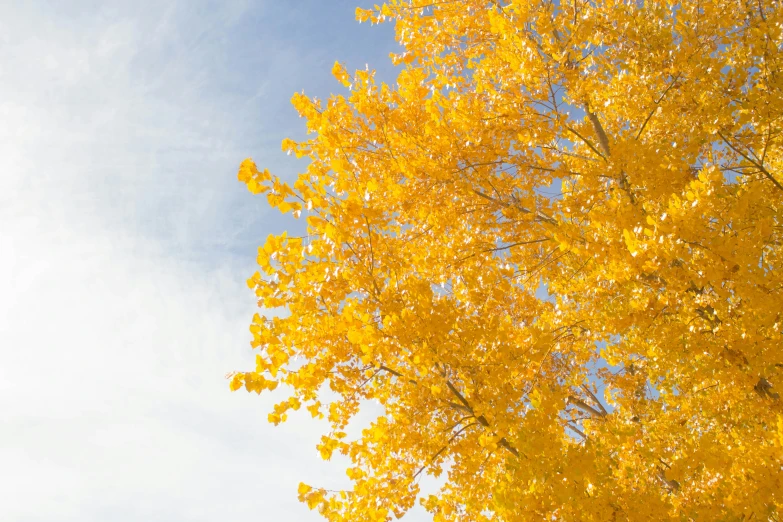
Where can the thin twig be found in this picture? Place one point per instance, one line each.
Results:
(758, 165)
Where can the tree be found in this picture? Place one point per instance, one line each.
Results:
(643, 387)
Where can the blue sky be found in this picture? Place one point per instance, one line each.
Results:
(126, 241)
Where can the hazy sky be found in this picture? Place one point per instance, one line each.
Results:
(125, 243)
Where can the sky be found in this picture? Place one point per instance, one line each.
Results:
(125, 243)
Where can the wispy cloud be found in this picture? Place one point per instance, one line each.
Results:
(125, 242)
(113, 401)
(124, 245)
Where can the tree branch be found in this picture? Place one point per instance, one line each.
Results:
(584, 406)
(586, 141)
(577, 430)
(599, 130)
(755, 163)
(444, 448)
(652, 112)
(481, 419)
(595, 399)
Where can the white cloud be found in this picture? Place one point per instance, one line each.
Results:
(114, 335)
(113, 397)
(122, 296)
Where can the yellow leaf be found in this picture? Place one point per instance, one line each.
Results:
(236, 382)
(535, 398)
(630, 242)
(341, 74)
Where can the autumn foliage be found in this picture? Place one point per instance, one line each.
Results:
(625, 156)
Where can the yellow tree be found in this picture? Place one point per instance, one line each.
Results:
(644, 387)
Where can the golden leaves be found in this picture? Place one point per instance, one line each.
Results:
(339, 72)
(630, 242)
(252, 177)
(596, 151)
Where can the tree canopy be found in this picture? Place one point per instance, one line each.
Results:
(551, 252)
